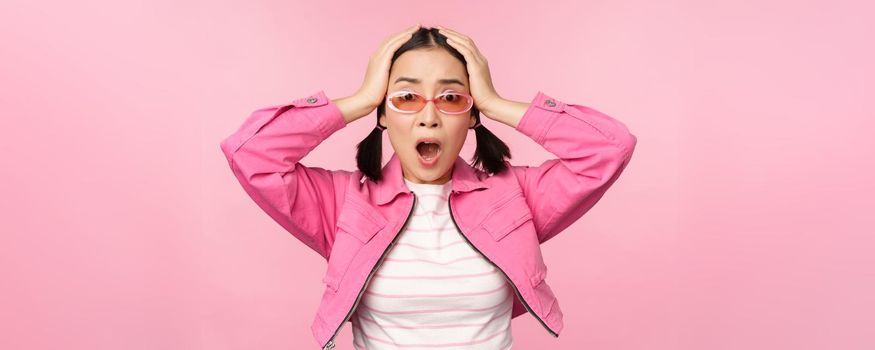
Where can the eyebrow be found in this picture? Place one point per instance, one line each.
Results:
(441, 81)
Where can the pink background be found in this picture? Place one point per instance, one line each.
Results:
(743, 222)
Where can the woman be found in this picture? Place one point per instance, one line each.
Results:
(429, 251)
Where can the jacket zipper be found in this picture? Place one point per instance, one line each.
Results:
(529, 309)
(330, 345)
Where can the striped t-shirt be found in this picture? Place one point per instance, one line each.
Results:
(433, 290)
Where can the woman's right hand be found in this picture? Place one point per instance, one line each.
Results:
(376, 82)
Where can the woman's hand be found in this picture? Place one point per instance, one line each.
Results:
(376, 82)
(478, 70)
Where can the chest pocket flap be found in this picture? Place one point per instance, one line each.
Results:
(359, 221)
(510, 213)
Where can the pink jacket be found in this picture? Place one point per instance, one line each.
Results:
(353, 222)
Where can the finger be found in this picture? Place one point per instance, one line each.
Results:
(395, 41)
(469, 56)
(448, 30)
(467, 42)
(403, 35)
(462, 38)
(392, 43)
(409, 31)
(456, 38)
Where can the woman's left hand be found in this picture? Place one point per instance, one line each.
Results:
(478, 70)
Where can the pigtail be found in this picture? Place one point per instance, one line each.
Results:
(369, 154)
(491, 152)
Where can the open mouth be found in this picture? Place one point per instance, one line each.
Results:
(429, 149)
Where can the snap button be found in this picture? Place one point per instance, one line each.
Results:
(311, 100)
(550, 103)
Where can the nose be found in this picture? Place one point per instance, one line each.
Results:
(429, 115)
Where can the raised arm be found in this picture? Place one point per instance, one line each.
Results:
(265, 156)
(592, 150)
(265, 153)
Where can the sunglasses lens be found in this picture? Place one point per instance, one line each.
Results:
(408, 102)
(448, 103)
(453, 103)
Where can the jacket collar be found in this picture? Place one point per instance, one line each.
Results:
(464, 179)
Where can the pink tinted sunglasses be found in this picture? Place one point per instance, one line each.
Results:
(450, 102)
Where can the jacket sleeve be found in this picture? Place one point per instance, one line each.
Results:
(265, 156)
(592, 150)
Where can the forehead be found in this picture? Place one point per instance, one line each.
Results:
(428, 67)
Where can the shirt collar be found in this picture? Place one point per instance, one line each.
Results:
(465, 178)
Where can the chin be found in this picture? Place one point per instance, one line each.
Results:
(429, 174)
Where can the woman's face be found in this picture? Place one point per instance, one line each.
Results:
(421, 71)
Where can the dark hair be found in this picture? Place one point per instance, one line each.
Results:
(490, 154)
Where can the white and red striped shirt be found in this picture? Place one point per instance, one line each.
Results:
(433, 290)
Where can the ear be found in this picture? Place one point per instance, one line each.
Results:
(472, 122)
(382, 120)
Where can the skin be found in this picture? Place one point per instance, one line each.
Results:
(429, 65)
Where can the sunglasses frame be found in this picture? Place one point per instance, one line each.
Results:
(427, 100)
